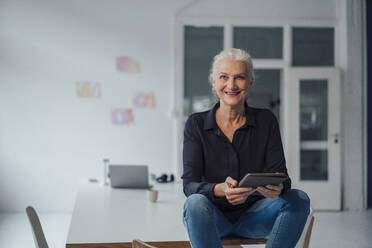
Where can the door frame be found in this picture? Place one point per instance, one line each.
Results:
(332, 186)
(367, 33)
(228, 23)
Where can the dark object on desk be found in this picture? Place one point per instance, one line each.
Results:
(37, 230)
(129, 176)
(93, 180)
(262, 179)
(164, 178)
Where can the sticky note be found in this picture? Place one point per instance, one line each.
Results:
(122, 116)
(127, 64)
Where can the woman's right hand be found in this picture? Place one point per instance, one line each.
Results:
(233, 195)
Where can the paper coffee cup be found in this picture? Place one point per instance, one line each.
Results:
(152, 195)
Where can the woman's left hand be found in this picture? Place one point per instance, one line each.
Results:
(270, 191)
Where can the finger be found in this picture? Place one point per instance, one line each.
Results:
(248, 193)
(267, 189)
(229, 185)
(235, 196)
(264, 189)
(231, 197)
(241, 190)
(279, 187)
(231, 191)
(248, 188)
(238, 200)
(274, 187)
(231, 181)
(267, 193)
(234, 193)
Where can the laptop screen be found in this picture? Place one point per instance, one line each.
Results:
(129, 176)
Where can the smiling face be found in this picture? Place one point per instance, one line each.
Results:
(231, 82)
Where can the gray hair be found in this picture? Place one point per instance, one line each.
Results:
(234, 54)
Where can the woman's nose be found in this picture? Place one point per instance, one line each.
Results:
(231, 84)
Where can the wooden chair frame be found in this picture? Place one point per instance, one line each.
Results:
(303, 242)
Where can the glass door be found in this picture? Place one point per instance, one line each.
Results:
(265, 92)
(201, 45)
(313, 119)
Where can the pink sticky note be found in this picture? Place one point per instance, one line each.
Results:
(122, 116)
(126, 64)
(142, 99)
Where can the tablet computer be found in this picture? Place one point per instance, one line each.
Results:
(262, 179)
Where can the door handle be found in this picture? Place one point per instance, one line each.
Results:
(335, 137)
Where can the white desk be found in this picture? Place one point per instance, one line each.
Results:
(106, 217)
(110, 218)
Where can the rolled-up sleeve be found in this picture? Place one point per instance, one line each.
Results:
(193, 162)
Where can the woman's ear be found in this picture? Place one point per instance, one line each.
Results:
(212, 80)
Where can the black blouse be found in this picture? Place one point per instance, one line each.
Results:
(209, 157)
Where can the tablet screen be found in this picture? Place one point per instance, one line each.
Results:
(262, 179)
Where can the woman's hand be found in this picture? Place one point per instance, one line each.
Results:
(270, 191)
(233, 195)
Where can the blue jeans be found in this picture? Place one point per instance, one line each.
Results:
(281, 219)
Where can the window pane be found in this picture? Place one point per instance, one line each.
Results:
(313, 47)
(314, 110)
(201, 45)
(314, 165)
(261, 43)
(265, 92)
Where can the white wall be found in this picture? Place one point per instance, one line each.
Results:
(353, 104)
(324, 9)
(49, 138)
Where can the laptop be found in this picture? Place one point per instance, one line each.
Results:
(129, 176)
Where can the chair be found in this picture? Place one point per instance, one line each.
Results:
(303, 242)
(140, 244)
(37, 230)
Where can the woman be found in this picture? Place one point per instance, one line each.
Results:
(221, 146)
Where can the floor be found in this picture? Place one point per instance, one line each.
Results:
(331, 229)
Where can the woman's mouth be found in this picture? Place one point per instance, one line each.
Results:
(232, 93)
